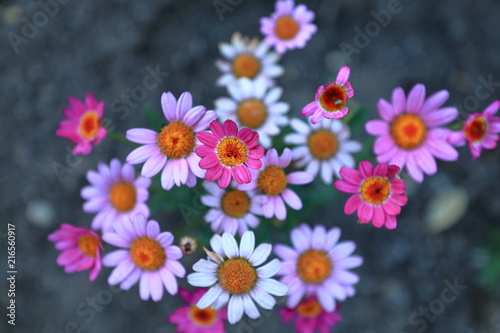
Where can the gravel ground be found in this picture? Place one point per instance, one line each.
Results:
(109, 47)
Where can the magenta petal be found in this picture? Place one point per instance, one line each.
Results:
(351, 176)
(366, 169)
(230, 128)
(380, 170)
(390, 222)
(208, 162)
(378, 219)
(203, 151)
(208, 139)
(241, 174)
(383, 144)
(352, 204)
(457, 138)
(346, 187)
(214, 173)
(256, 152)
(398, 186)
(392, 170)
(492, 109)
(391, 208)
(253, 164)
(343, 75)
(225, 178)
(217, 129)
(365, 212)
(309, 109)
(245, 134)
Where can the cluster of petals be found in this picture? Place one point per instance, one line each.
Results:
(309, 317)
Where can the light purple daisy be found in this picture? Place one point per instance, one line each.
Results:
(172, 149)
(318, 265)
(231, 210)
(147, 255)
(410, 133)
(115, 194)
(289, 27)
(330, 101)
(271, 184)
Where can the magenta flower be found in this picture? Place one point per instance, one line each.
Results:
(310, 317)
(84, 124)
(192, 319)
(289, 27)
(330, 101)
(172, 149)
(227, 153)
(409, 133)
(147, 255)
(377, 196)
(479, 131)
(271, 184)
(81, 249)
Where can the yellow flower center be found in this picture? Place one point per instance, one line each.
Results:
(202, 317)
(232, 151)
(237, 276)
(122, 196)
(235, 203)
(309, 308)
(147, 254)
(88, 244)
(333, 98)
(176, 140)
(246, 65)
(477, 129)
(252, 113)
(286, 27)
(314, 266)
(322, 144)
(89, 125)
(408, 131)
(272, 180)
(375, 190)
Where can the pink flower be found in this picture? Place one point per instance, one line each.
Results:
(83, 125)
(410, 134)
(146, 255)
(227, 153)
(191, 319)
(479, 131)
(271, 184)
(377, 197)
(81, 249)
(330, 101)
(310, 317)
(289, 27)
(172, 149)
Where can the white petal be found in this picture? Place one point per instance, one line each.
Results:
(229, 245)
(262, 298)
(210, 297)
(270, 269)
(205, 266)
(201, 279)
(250, 308)
(235, 309)
(273, 287)
(247, 244)
(260, 254)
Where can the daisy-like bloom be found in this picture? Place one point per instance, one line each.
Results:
(289, 27)
(252, 105)
(310, 317)
(192, 319)
(324, 146)
(231, 273)
(377, 195)
(247, 58)
(231, 210)
(188, 245)
(227, 153)
(81, 249)
(84, 124)
(271, 183)
(172, 149)
(318, 265)
(409, 133)
(330, 101)
(115, 194)
(147, 254)
(479, 131)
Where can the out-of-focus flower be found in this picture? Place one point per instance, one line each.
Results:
(188, 245)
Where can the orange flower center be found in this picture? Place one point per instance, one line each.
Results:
(408, 131)
(122, 196)
(88, 244)
(272, 180)
(375, 190)
(322, 144)
(147, 254)
(237, 276)
(235, 203)
(246, 65)
(309, 308)
(89, 125)
(252, 113)
(314, 266)
(286, 27)
(176, 140)
(333, 98)
(477, 129)
(202, 317)
(232, 151)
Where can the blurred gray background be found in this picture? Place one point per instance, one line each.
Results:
(108, 47)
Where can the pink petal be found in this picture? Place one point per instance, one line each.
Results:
(343, 75)
(214, 173)
(434, 101)
(142, 136)
(208, 139)
(386, 110)
(391, 208)
(153, 165)
(279, 208)
(398, 100)
(346, 187)
(299, 178)
(217, 129)
(416, 98)
(292, 199)
(378, 219)
(184, 103)
(225, 178)
(390, 222)
(365, 213)
(441, 117)
(413, 169)
(353, 204)
(366, 169)
(169, 104)
(208, 161)
(425, 161)
(377, 127)
(492, 109)
(241, 174)
(230, 128)
(142, 153)
(398, 186)
(253, 164)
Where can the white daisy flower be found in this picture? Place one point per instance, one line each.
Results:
(252, 105)
(324, 146)
(233, 277)
(247, 58)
